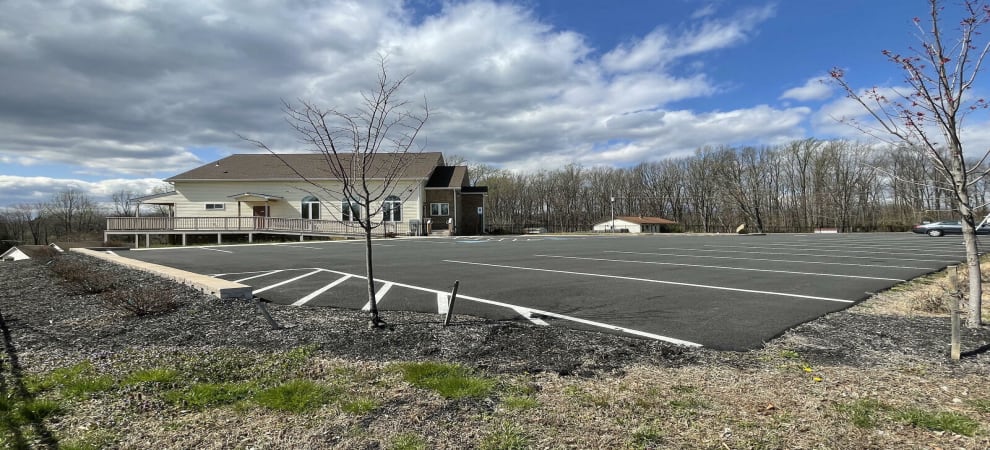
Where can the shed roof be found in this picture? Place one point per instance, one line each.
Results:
(314, 166)
(448, 177)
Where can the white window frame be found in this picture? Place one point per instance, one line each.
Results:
(392, 207)
(310, 205)
(216, 206)
(440, 209)
(348, 210)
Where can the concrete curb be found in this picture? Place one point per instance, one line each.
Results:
(215, 286)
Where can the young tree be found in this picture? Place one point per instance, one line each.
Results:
(357, 147)
(929, 114)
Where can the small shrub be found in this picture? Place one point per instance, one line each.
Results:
(83, 278)
(939, 421)
(296, 396)
(141, 300)
(449, 380)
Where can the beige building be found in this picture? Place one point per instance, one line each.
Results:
(635, 224)
(300, 194)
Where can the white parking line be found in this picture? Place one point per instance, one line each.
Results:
(809, 254)
(722, 267)
(257, 291)
(770, 260)
(648, 280)
(216, 250)
(820, 249)
(378, 296)
(256, 276)
(321, 290)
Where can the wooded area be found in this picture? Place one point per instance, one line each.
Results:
(794, 187)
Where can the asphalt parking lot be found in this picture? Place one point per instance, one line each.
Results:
(726, 292)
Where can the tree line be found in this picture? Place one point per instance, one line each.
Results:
(68, 215)
(795, 187)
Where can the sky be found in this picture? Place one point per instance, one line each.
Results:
(105, 95)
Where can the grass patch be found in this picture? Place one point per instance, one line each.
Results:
(647, 436)
(519, 402)
(449, 380)
(505, 436)
(78, 381)
(981, 405)
(296, 396)
(36, 410)
(90, 440)
(360, 406)
(407, 441)
(939, 421)
(210, 395)
(863, 413)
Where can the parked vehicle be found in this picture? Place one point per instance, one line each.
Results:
(936, 229)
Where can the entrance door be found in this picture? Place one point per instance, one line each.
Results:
(260, 213)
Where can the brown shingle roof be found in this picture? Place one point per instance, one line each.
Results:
(448, 177)
(644, 220)
(312, 166)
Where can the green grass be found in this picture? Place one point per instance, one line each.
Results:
(981, 405)
(938, 421)
(296, 396)
(90, 440)
(519, 402)
(505, 436)
(78, 381)
(647, 436)
(863, 413)
(210, 395)
(407, 441)
(451, 381)
(36, 410)
(360, 405)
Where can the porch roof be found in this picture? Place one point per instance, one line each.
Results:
(164, 198)
(255, 197)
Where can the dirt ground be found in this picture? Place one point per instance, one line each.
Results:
(594, 390)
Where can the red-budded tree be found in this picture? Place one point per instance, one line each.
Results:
(929, 112)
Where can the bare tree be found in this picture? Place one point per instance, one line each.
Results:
(929, 114)
(122, 206)
(355, 147)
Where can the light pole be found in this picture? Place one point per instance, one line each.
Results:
(611, 201)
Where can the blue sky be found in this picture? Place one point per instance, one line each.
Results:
(105, 95)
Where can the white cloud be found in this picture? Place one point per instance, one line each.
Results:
(33, 190)
(134, 90)
(816, 88)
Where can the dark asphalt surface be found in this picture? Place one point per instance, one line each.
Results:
(726, 292)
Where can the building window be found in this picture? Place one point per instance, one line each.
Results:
(214, 206)
(310, 208)
(350, 211)
(392, 209)
(439, 209)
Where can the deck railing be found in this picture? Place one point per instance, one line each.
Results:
(245, 224)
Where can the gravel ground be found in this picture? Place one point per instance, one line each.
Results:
(50, 323)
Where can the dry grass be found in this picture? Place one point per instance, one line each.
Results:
(929, 295)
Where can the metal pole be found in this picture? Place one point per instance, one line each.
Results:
(612, 203)
(954, 297)
(450, 304)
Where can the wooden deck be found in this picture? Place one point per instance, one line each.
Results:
(148, 226)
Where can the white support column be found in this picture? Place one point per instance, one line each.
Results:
(250, 238)
(183, 239)
(137, 240)
(147, 240)
(219, 239)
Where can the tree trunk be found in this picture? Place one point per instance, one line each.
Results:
(370, 271)
(975, 319)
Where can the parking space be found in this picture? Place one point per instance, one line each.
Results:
(726, 292)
